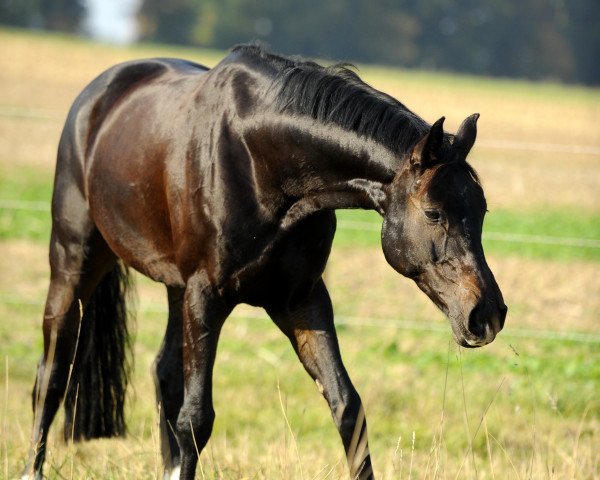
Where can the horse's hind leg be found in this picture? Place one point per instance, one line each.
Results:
(168, 380)
(310, 328)
(79, 258)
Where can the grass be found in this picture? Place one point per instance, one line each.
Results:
(525, 386)
(25, 184)
(402, 377)
(523, 407)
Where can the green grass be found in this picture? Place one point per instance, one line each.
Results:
(408, 380)
(559, 224)
(25, 184)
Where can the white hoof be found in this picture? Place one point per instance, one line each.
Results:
(172, 475)
(35, 476)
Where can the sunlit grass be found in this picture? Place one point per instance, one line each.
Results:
(524, 388)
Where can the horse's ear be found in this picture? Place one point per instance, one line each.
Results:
(465, 136)
(425, 152)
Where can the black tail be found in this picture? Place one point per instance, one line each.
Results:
(95, 395)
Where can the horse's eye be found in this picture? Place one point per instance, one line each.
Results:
(433, 215)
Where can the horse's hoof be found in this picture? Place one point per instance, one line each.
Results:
(34, 476)
(172, 475)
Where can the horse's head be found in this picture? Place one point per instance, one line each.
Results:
(432, 233)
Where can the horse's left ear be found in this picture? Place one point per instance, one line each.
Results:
(466, 134)
(424, 154)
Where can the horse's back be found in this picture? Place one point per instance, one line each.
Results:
(91, 108)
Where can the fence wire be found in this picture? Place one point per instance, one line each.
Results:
(368, 322)
(33, 206)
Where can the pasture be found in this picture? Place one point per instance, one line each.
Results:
(526, 406)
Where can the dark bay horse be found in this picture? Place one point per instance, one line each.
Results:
(222, 184)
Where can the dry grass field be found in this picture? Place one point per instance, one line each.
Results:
(524, 407)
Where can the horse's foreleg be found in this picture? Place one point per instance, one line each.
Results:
(168, 380)
(312, 333)
(203, 315)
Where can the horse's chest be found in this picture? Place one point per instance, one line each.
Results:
(293, 266)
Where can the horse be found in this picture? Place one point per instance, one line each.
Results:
(222, 184)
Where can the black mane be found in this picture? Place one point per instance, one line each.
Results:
(336, 94)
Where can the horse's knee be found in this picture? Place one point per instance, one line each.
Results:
(167, 373)
(167, 367)
(194, 426)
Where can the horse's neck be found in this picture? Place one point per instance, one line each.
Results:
(322, 166)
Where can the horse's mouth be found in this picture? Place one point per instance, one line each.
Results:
(461, 335)
(466, 339)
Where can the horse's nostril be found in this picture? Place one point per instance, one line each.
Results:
(476, 326)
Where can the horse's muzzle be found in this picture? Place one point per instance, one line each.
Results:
(484, 323)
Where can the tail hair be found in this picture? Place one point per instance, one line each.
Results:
(95, 397)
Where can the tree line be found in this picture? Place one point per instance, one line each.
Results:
(535, 39)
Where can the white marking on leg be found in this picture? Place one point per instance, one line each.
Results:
(35, 476)
(358, 451)
(173, 475)
(319, 386)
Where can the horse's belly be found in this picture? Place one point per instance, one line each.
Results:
(128, 205)
(140, 241)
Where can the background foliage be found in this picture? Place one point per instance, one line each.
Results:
(62, 15)
(535, 39)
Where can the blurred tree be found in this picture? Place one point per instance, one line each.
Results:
(21, 13)
(581, 21)
(169, 21)
(496, 38)
(63, 15)
(537, 39)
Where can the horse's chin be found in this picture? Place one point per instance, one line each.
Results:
(466, 339)
(463, 342)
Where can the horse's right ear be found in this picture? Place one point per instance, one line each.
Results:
(425, 153)
(465, 136)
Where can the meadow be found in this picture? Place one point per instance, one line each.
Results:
(524, 407)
